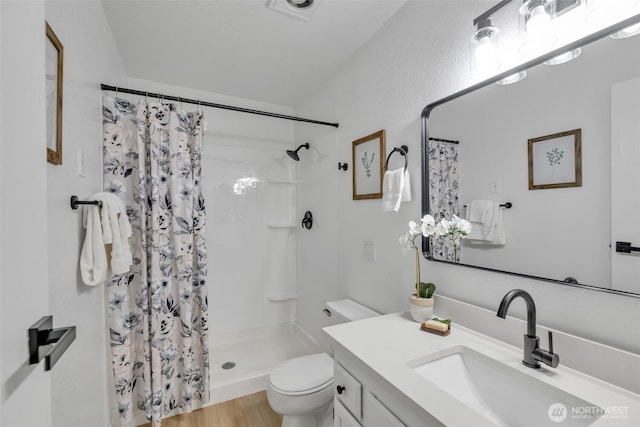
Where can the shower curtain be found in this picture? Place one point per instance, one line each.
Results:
(157, 313)
(443, 191)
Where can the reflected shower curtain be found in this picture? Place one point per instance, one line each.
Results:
(157, 313)
(443, 191)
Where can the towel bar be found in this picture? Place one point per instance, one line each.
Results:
(507, 205)
(403, 149)
(75, 202)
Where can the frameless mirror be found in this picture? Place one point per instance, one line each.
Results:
(559, 233)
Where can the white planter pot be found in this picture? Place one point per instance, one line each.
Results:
(421, 309)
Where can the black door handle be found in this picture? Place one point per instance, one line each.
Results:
(340, 389)
(625, 247)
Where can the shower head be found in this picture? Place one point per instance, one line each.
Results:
(294, 154)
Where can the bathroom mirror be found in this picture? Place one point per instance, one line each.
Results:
(561, 235)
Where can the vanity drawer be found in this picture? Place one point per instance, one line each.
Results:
(348, 391)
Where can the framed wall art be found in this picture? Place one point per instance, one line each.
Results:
(555, 161)
(368, 153)
(53, 87)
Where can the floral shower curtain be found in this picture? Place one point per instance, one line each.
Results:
(443, 191)
(157, 313)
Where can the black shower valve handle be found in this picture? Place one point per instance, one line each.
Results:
(307, 221)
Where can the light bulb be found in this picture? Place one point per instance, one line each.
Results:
(539, 22)
(486, 49)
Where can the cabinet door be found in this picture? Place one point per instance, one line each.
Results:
(378, 415)
(348, 391)
(342, 417)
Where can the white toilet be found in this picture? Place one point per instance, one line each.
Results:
(301, 389)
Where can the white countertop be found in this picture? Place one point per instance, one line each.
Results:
(387, 343)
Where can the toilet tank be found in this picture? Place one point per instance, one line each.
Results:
(347, 310)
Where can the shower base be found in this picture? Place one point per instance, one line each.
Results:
(254, 353)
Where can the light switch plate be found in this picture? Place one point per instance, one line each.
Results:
(369, 249)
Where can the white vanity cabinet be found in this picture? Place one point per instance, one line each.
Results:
(363, 399)
(342, 417)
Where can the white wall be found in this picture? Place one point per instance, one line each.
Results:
(23, 273)
(80, 384)
(420, 56)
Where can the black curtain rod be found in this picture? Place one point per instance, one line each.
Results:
(213, 104)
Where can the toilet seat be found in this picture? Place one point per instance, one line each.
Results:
(303, 375)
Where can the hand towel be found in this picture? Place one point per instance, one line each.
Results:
(406, 189)
(485, 217)
(392, 188)
(93, 257)
(105, 225)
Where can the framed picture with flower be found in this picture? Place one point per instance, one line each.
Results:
(555, 161)
(368, 153)
(53, 86)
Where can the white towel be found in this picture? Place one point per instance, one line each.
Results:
(406, 189)
(106, 225)
(396, 188)
(485, 217)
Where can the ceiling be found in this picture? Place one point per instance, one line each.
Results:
(242, 48)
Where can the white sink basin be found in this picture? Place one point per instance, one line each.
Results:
(501, 393)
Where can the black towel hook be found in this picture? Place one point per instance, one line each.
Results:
(403, 149)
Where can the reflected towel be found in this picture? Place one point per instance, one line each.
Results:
(487, 227)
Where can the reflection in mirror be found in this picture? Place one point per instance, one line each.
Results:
(562, 233)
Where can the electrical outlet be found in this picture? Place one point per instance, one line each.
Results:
(369, 250)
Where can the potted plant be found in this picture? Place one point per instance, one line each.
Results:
(454, 230)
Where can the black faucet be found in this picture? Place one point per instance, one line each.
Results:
(533, 354)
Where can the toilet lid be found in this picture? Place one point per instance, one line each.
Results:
(303, 375)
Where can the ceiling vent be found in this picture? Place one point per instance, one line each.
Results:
(299, 9)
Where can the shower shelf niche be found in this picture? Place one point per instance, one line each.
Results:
(282, 298)
(281, 225)
(282, 181)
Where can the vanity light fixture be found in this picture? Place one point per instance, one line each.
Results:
(484, 40)
(538, 28)
(513, 78)
(564, 57)
(537, 15)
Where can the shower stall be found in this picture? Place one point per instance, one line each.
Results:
(252, 232)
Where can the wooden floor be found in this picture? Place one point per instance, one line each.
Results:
(246, 411)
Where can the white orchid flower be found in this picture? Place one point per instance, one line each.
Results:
(414, 228)
(443, 228)
(462, 225)
(428, 226)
